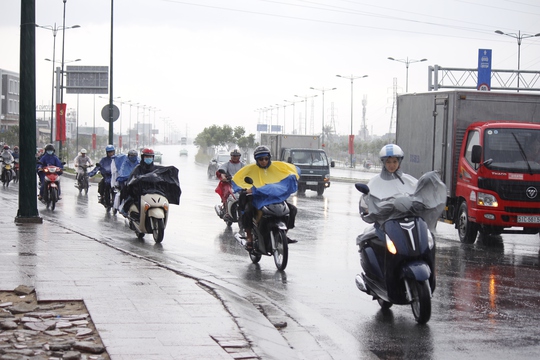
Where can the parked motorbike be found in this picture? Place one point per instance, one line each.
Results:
(269, 233)
(231, 215)
(153, 193)
(83, 182)
(7, 172)
(397, 254)
(51, 191)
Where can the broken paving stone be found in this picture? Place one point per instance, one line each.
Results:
(24, 290)
(71, 355)
(41, 315)
(80, 322)
(89, 347)
(22, 308)
(6, 304)
(83, 332)
(55, 332)
(8, 325)
(61, 346)
(63, 324)
(51, 307)
(41, 326)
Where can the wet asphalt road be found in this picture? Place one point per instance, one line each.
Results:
(485, 305)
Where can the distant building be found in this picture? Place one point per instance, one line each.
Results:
(9, 104)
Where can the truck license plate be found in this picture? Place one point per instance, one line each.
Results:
(311, 183)
(528, 219)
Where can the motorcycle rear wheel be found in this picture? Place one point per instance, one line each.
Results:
(421, 303)
(158, 229)
(281, 252)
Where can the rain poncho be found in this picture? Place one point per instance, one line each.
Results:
(104, 168)
(162, 180)
(427, 200)
(271, 185)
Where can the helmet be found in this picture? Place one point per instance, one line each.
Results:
(235, 152)
(6, 147)
(110, 148)
(147, 152)
(391, 150)
(83, 151)
(132, 152)
(262, 150)
(49, 147)
(15, 148)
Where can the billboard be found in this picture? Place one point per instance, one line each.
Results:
(87, 80)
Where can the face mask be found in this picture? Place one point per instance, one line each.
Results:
(50, 152)
(148, 161)
(132, 158)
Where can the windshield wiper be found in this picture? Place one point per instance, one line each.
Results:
(523, 153)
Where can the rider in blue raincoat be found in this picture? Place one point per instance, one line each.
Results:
(105, 169)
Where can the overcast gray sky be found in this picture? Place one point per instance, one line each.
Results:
(204, 62)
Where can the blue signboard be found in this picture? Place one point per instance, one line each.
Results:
(276, 128)
(262, 127)
(484, 70)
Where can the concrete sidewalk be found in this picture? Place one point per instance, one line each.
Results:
(140, 309)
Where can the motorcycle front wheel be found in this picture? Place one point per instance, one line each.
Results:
(53, 197)
(158, 229)
(281, 250)
(421, 301)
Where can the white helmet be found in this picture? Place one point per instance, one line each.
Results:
(83, 151)
(391, 150)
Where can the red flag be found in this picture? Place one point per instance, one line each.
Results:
(94, 141)
(60, 122)
(351, 144)
(120, 142)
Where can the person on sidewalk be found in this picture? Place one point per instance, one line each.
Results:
(104, 167)
(48, 158)
(264, 171)
(225, 173)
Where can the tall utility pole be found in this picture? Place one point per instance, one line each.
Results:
(305, 97)
(323, 90)
(364, 127)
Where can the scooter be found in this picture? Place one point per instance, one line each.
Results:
(150, 217)
(16, 168)
(7, 172)
(231, 215)
(397, 255)
(269, 233)
(52, 185)
(82, 180)
(150, 211)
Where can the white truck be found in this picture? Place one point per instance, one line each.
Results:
(304, 151)
(481, 144)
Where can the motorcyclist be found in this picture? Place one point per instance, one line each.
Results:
(224, 173)
(391, 181)
(15, 153)
(105, 169)
(80, 161)
(6, 157)
(264, 171)
(123, 174)
(48, 158)
(145, 166)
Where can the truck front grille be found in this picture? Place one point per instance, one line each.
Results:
(511, 190)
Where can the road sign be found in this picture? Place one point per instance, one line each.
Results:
(105, 113)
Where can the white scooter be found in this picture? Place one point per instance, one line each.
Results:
(152, 217)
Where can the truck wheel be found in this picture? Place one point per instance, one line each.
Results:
(301, 189)
(320, 190)
(467, 230)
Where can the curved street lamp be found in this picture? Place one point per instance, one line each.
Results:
(519, 37)
(54, 30)
(407, 62)
(322, 90)
(351, 139)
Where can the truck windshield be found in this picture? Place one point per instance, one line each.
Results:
(309, 157)
(502, 148)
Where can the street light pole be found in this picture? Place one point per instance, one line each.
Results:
(519, 37)
(293, 111)
(54, 30)
(305, 97)
(351, 139)
(323, 90)
(407, 62)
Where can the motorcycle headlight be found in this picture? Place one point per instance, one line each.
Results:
(486, 200)
(430, 240)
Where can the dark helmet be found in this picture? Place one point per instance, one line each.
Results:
(49, 147)
(132, 152)
(235, 152)
(109, 148)
(261, 151)
(147, 152)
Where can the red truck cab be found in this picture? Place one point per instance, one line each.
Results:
(498, 180)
